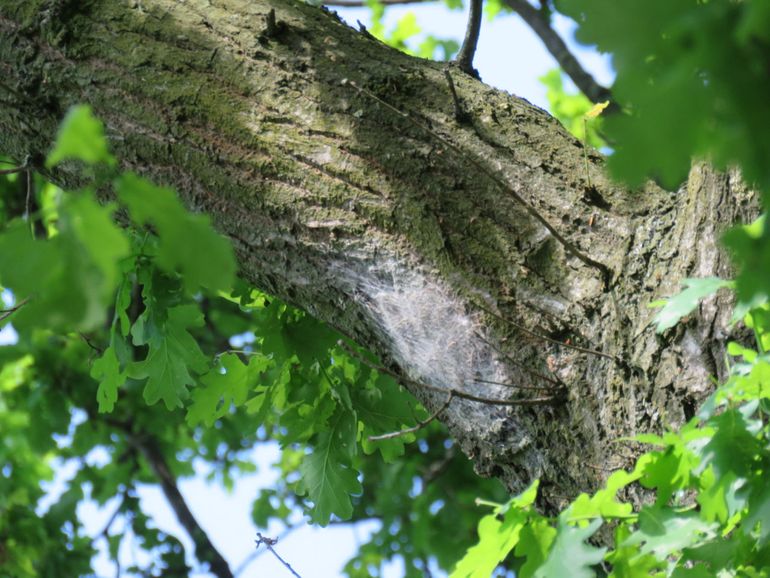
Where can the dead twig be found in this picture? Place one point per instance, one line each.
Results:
(420, 424)
(5, 313)
(269, 543)
(545, 338)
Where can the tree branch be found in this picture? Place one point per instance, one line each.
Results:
(465, 56)
(257, 552)
(5, 313)
(269, 543)
(363, 4)
(541, 25)
(205, 551)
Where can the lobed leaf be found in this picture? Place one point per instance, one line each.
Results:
(327, 476)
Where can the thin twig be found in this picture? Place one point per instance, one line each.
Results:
(5, 313)
(90, 344)
(248, 560)
(468, 50)
(517, 386)
(496, 178)
(269, 543)
(437, 468)
(545, 338)
(456, 392)
(602, 468)
(555, 382)
(13, 171)
(461, 116)
(105, 531)
(540, 24)
(28, 200)
(363, 4)
(420, 424)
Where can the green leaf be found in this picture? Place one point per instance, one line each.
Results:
(734, 446)
(534, 544)
(106, 370)
(669, 471)
(604, 503)
(14, 373)
(446, 48)
(498, 534)
(70, 279)
(737, 350)
(663, 532)
(759, 511)
(81, 137)
(678, 85)
(626, 561)
(187, 243)
(569, 554)
(406, 28)
(105, 243)
(384, 408)
(173, 356)
(571, 109)
(225, 386)
(685, 302)
(494, 7)
(327, 476)
(749, 246)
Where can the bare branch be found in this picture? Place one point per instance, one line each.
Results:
(257, 553)
(420, 424)
(5, 313)
(517, 386)
(90, 343)
(363, 4)
(468, 50)
(269, 543)
(461, 115)
(541, 25)
(205, 551)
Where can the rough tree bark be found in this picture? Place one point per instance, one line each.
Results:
(461, 251)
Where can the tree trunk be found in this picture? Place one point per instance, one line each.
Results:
(460, 252)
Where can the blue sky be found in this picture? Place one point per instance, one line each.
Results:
(509, 57)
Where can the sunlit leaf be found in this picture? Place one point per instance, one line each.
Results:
(685, 302)
(81, 137)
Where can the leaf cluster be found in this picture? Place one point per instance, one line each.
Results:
(111, 320)
(691, 76)
(710, 516)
